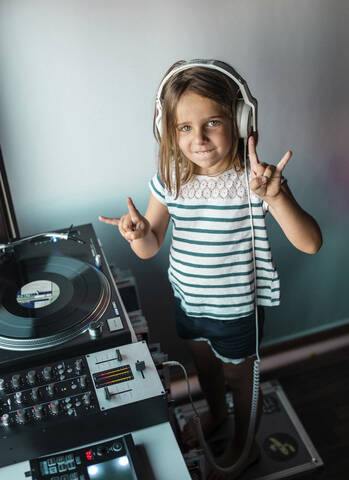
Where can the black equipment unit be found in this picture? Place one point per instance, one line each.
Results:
(58, 299)
(117, 458)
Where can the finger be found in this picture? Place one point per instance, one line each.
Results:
(134, 213)
(269, 171)
(109, 221)
(135, 235)
(126, 224)
(140, 226)
(283, 162)
(260, 169)
(253, 154)
(258, 185)
(125, 232)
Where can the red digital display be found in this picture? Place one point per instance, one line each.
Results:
(89, 455)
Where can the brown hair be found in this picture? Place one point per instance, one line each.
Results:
(174, 168)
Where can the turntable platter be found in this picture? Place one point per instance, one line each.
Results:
(48, 300)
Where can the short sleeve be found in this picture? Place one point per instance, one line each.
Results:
(265, 206)
(157, 188)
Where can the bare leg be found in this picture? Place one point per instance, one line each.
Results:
(211, 378)
(240, 380)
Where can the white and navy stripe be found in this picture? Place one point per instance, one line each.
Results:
(211, 265)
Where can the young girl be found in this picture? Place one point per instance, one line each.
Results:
(201, 187)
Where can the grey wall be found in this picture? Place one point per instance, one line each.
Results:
(78, 80)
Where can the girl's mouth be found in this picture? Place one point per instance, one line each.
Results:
(204, 152)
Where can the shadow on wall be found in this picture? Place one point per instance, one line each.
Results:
(313, 287)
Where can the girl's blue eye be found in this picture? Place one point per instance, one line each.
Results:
(210, 123)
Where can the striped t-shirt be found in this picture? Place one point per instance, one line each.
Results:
(211, 262)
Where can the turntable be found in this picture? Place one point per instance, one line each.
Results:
(58, 298)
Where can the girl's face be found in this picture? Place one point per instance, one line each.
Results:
(204, 133)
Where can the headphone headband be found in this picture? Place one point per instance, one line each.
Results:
(246, 108)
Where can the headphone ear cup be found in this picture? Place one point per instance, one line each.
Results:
(243, 118)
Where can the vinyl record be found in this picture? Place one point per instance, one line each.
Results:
(48, 300)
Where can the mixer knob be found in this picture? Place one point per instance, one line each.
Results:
(117, 446)
(102, 451)
(83, 381)
(78, 365)
(21, 416)
(47, 373)
(51, 388)
(2, 384)
(5, 420)
(19, 397)
(95, 328)
(38, 412)
(16, 381)
(87, 398)
(54, 406)
(35, 393)
(31, 376)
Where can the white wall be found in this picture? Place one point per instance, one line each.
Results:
(78, 81)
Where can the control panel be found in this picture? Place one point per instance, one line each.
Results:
(124, 375)
(43, 393)
(92, 396)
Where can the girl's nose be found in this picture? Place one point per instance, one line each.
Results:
(200, 135)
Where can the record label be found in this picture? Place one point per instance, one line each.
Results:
(38, 294)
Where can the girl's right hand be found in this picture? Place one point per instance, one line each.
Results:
(132, 225)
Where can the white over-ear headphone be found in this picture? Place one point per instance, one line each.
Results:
(246, 108)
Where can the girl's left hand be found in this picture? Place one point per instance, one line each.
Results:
(266, 179)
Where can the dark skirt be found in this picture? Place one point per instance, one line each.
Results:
(231, 339)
